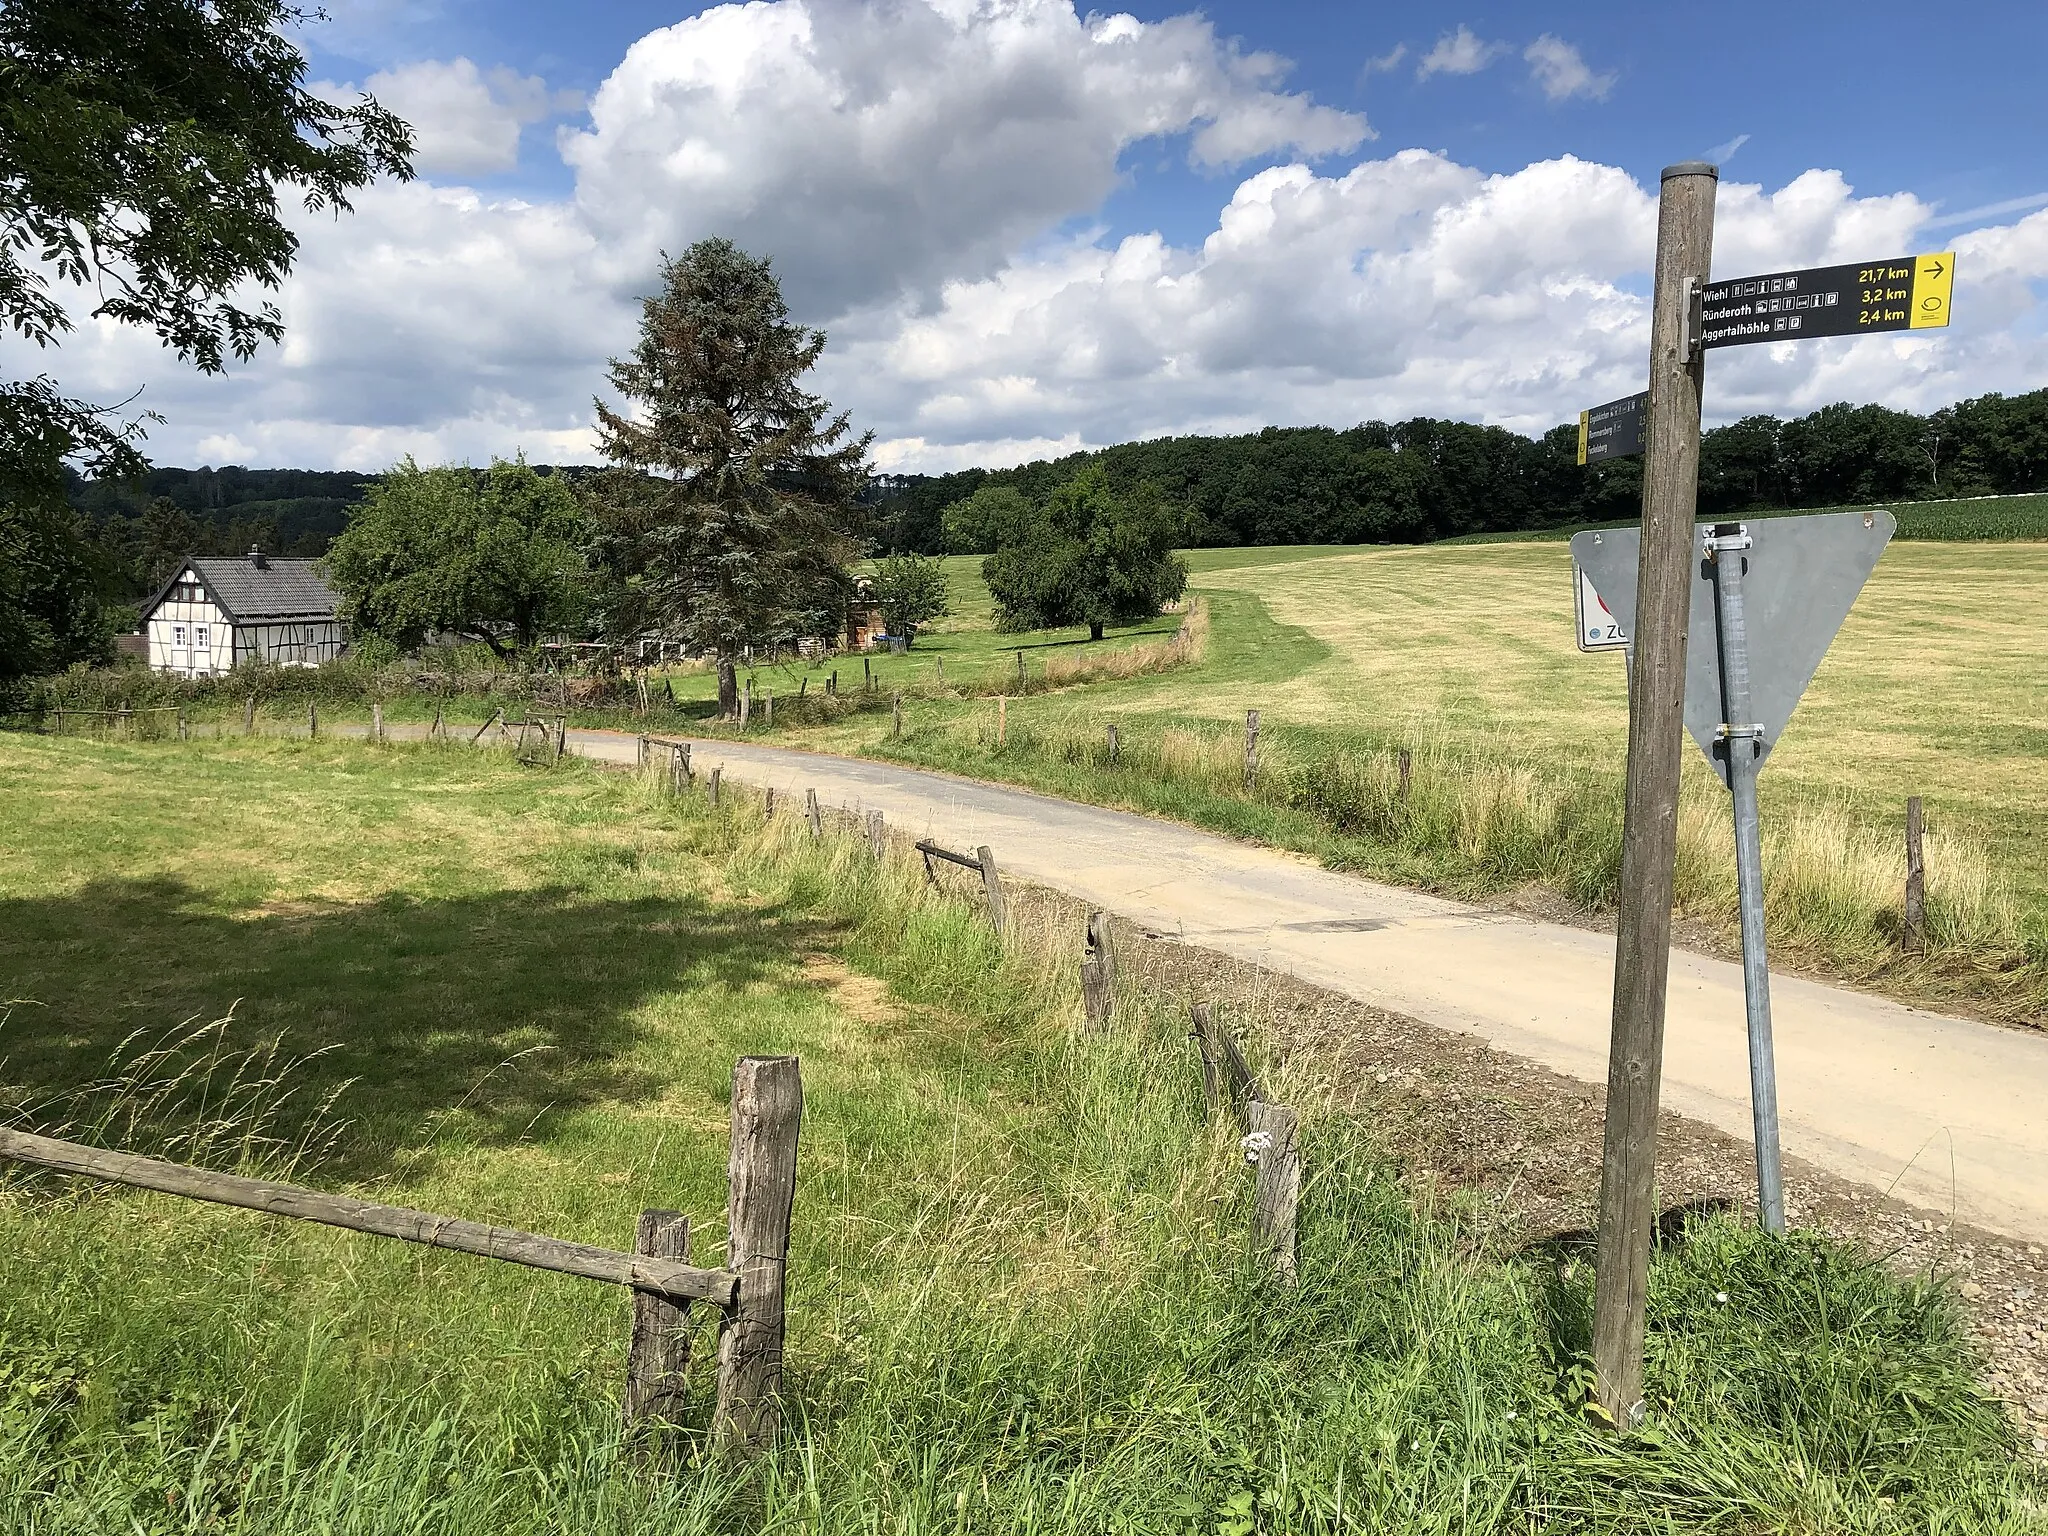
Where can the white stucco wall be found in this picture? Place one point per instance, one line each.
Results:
(176, 630)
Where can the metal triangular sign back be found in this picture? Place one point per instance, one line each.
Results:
(1800, 579)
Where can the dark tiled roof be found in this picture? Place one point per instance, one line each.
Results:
(277, 589)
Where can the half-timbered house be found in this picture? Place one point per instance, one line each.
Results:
(219, 612)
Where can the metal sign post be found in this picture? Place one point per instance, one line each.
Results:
(1767, 598)
(1741, 742)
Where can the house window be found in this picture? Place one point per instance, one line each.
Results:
(199, 642)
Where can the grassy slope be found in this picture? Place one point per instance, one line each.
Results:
(1019, 1299)
(1977, 518)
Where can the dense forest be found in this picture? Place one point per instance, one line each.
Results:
(1424, 479)
(1403, 482)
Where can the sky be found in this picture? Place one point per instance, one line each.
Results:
(1029, 229)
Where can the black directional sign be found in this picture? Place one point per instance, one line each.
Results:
(1902, 293)
(1613, 430)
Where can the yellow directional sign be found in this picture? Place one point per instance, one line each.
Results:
(1897, 294)
(1933, 278)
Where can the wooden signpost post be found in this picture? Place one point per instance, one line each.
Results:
(1649, 837)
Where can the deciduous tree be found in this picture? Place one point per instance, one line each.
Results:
(1091, 555)
(492, 556)
(910, 590)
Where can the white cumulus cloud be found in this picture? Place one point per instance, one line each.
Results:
(1461, 52)
(465, 120)
(886, 147)
(1559, 68)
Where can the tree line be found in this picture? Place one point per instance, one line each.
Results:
(1426, 479)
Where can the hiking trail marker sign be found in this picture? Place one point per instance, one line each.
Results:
(1900, 293)
(1613, 430)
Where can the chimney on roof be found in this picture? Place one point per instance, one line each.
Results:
(257, 559)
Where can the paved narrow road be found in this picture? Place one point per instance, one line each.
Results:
(1948, 1113)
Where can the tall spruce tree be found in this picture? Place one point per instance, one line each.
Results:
(731, 520)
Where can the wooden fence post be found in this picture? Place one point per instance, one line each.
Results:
(1271, 1145)
(992, 884)
(832, 684)
(1116, 746)
(1021, 681)
(675, 770)
(942, 670)
(768, 711)
(767, 1114)
(249, 716)
(768, 805)
(376, 720)
(437, 731)
(803, 685)
(867, 674)
(1913, 935)
(812, 814)
(878, 841)
(1098, 973)
(1002, 717)
(896, 716)
(1204, 1035)
(312, 720)
(484, 729)
(525, 728)
(1407, 764)
(658, 1358)
(716, 774)
(561, 736)
(184, 730)
(746, 701)
(642, 758)
(1251, 747)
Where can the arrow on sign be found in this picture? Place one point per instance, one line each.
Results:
(1934, 269)
(1801, 577)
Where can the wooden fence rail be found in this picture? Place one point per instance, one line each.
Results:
(767, 1111)
(983, 863)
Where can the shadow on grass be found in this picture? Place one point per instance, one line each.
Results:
(513, 1006)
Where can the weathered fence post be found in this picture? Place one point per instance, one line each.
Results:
(484, 729)
(832, 684)
(312, 719)
(1002, 717)
(746, 701)
(1913, 934)
(1270, 1143)
(716, 774)
(184, 730)
(768, 805)
(942, 670)
(896, 716)
(1406, 766)
(768, 711)
(438, 731)
(677, 769)
(867, 674)
(525, 728)
(1098, 972)
(60, 720)
(561, 736)
(1021, 681)
(127, 718)
(767, 1115)
(1251, 747)
(658, 1359)
(1205, 1041)
(1116, 746)
(812, 814)
(249, 716)
(992, 884)
(641, 759)
(878, 841)
(376, 720)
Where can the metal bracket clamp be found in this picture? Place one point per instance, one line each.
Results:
(1695, 321)
(1725, 732)
(1715, 543)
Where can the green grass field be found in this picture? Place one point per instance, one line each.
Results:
(1020, 1298)
(1973, 519)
